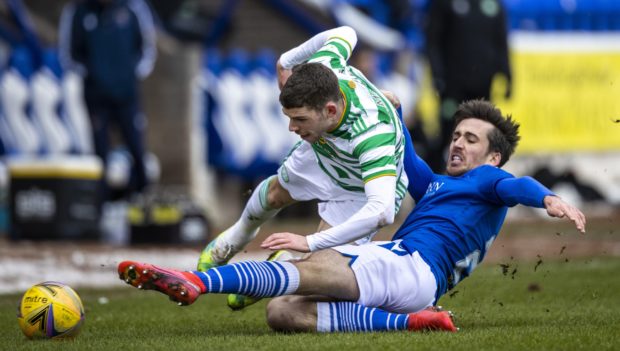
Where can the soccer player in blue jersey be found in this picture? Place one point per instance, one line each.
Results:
(388, 285)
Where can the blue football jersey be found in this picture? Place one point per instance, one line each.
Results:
(454, 223)
(456, 219)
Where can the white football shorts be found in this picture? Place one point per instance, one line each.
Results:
(389, 277)
(301, 175)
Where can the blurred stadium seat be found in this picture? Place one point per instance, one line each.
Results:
(564, 15)
(246, 132)
(15, 99)
(46, 101)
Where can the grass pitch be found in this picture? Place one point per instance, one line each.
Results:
(562, 305)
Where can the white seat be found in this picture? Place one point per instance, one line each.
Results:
(77, 119)
(15, 96)
(270, 123)
(46, 97)
(233, 123)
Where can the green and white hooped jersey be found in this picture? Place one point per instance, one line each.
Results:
(368, 142)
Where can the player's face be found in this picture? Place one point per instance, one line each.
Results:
(470, 147)
(308, 123)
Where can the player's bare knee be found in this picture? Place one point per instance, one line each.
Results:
(284, 315)
(277, 196)
(277, 313)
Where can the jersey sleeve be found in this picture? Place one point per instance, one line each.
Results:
(523, 190)
(378, 211)
(487, 179)
(376, 152)
(337, 49)
(332, 47)
(418, 171)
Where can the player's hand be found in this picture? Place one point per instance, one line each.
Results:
(557, 207)
(392, 98)
(283, 241)
(283, 74)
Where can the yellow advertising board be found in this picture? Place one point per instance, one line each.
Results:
(566, 92)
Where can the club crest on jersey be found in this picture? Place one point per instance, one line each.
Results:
(351, 84)
(433, 187)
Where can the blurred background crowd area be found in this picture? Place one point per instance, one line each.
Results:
(205, 125)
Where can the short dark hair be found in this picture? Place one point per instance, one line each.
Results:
(310, 85)
(504, 137)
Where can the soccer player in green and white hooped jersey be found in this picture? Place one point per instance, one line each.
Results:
(350, 158)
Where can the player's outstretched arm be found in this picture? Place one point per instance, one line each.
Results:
(377, 212)
(307, 49)
(556, 207)
(529, 192)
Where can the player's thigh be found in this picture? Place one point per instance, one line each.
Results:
(390, 278)
(327, 272)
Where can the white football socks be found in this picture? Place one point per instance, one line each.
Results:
(255, 213)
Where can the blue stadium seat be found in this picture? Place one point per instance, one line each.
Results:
(526, 12)
(548, 15)
(265, 59)
(605, 14)
(47, 106)
(514, 13)
(52, 62)
(212, 65)
(377, 9)
(420, 5)
(601, 22)
(579, 15)
(240, 98)
(15, 101)
(584, 21)
(416, 38)
(212, 61)
(238, 60)
(21, 60)
(228, 113)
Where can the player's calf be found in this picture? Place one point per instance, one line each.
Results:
(238, 302)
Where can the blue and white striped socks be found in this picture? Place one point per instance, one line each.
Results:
(256, 279)
(353, 317)
(270, 279)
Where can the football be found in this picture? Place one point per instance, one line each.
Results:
(50, 310)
